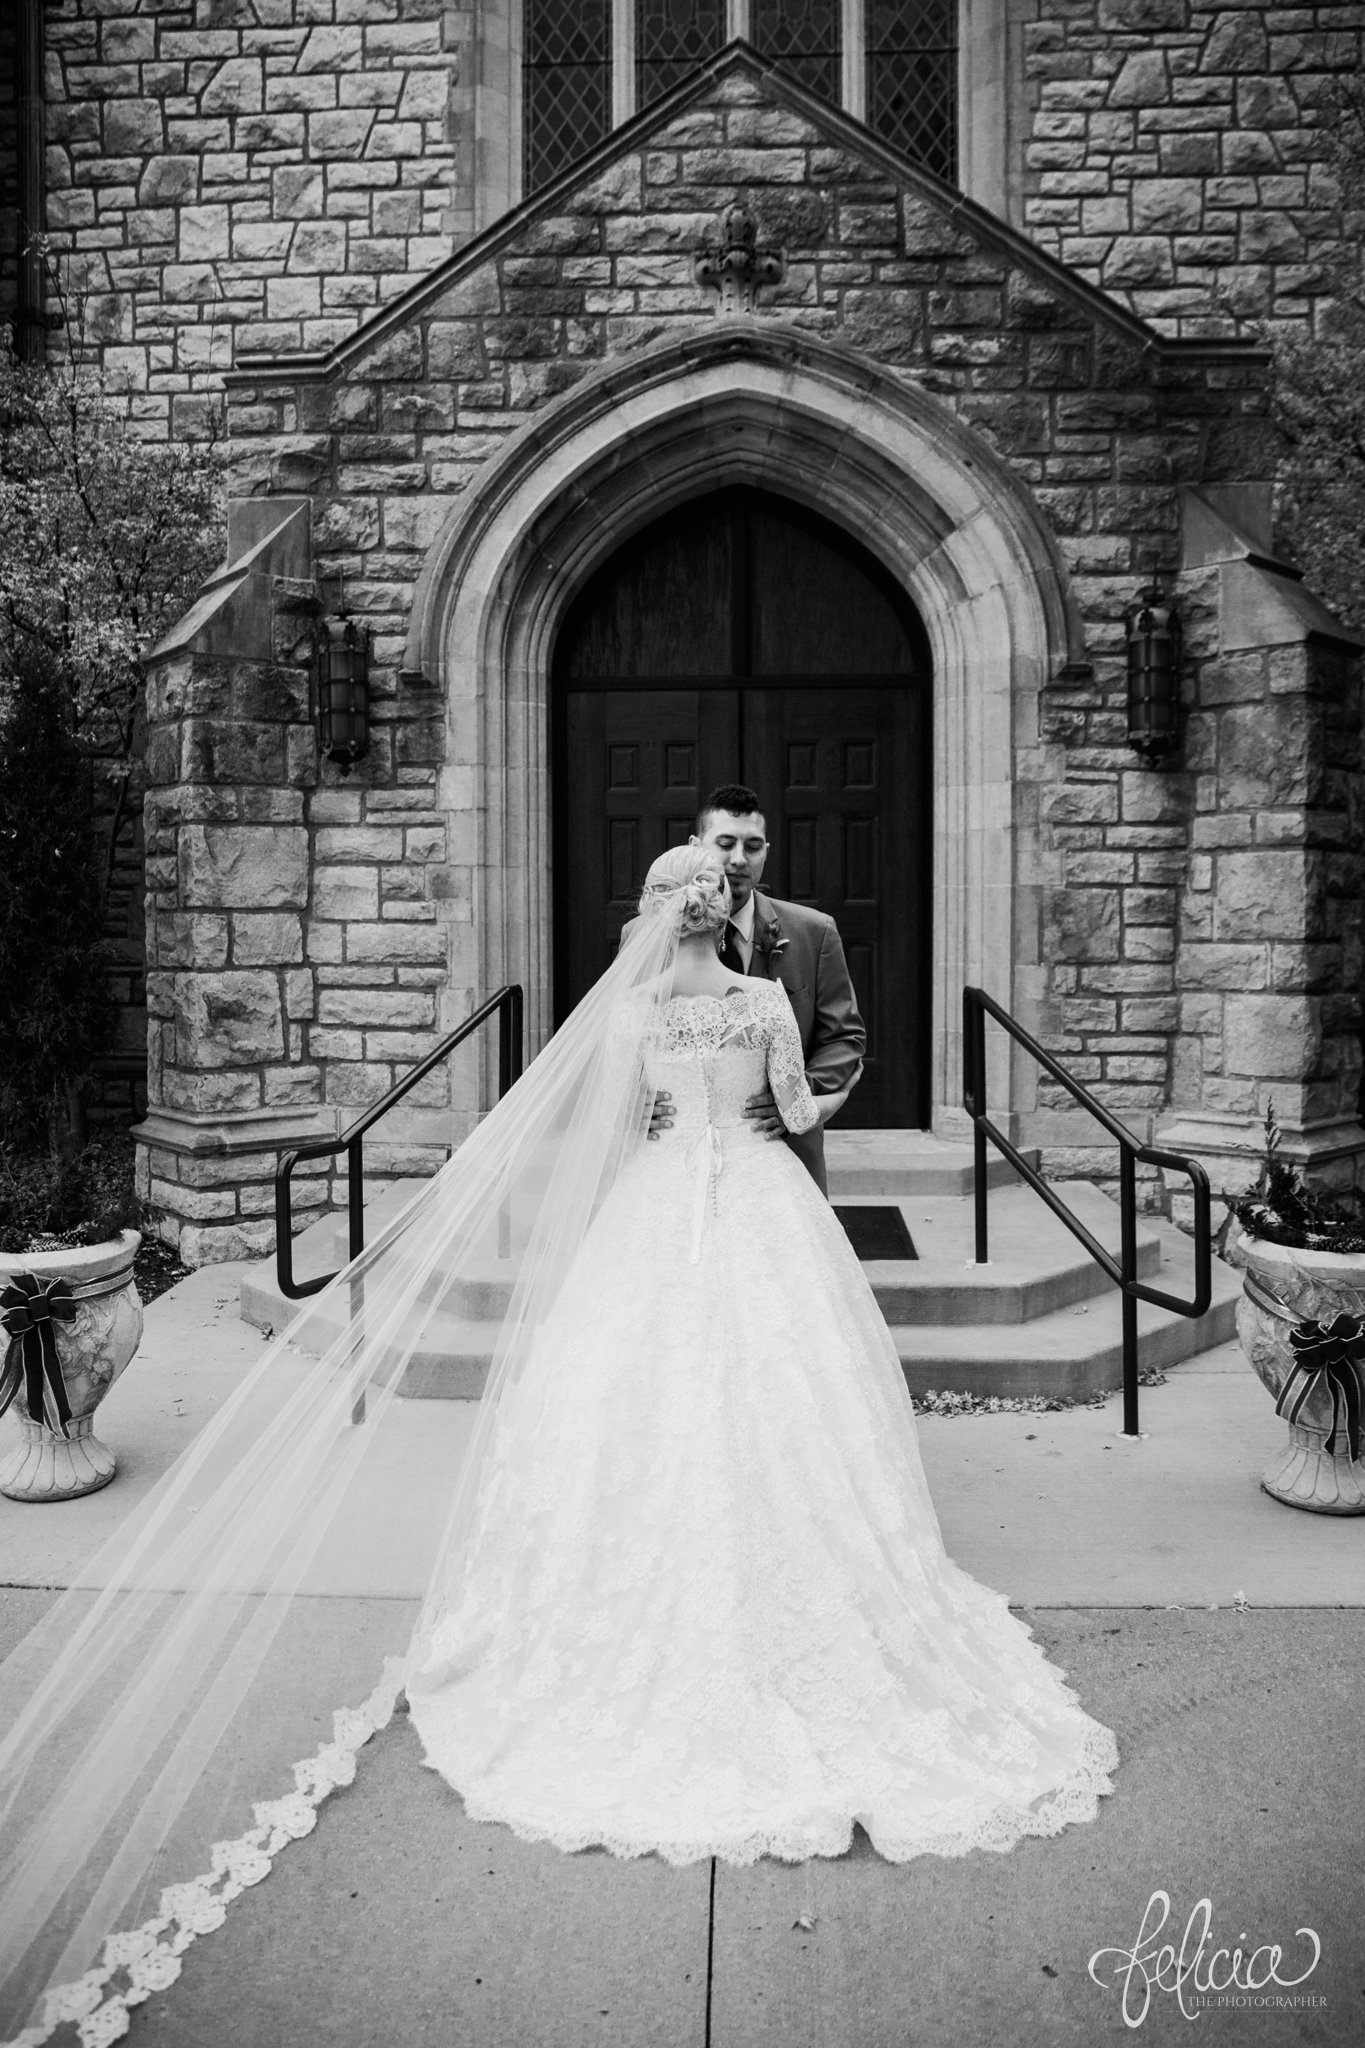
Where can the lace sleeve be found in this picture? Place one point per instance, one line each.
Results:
(787, 1067)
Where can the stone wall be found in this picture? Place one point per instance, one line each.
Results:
(1269, 959)
(281, 168)
(282, 164)
(303, 1007)
(297, 958)
(1106, 428)
(1175, 153)
(1203, 912)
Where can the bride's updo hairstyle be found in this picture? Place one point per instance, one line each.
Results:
(689, 884)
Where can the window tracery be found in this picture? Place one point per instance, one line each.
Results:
(671, 38)
(566, 83)
(587, 65)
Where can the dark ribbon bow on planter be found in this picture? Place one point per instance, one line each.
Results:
(29, 1307)
(1329, 1358)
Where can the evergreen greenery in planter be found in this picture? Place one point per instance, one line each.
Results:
(1281, 1210)
(47, 1203)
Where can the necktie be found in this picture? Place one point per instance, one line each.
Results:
(730, 955)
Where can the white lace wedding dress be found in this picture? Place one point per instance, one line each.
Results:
(706, 1609)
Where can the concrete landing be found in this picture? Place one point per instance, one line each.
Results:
(910, 1163)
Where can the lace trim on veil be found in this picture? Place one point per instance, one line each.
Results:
(147, 1958)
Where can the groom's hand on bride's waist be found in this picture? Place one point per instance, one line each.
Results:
(763, 1112)
(661, 1115)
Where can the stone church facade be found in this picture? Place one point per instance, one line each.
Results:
(960, 318)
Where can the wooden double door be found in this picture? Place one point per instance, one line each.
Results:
(742, 639)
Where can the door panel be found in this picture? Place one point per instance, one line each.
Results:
(692, 659)
(847, 836)
(816, 609)
(637, 763)
(663, 608)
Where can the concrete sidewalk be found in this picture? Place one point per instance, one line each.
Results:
(1238, 1728)
(1055, 1510)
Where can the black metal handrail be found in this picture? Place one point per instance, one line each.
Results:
(508, 1005)
(976, 1007)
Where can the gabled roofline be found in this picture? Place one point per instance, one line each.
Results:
(310, 366)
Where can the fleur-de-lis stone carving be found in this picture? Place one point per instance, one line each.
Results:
(734, 264)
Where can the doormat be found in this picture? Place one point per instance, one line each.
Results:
(876, 1233)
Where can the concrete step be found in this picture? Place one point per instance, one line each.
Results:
(323, 1247)
(1041, 1319)
(1072, 1352)
(1036, 1264)
(1069, 1353)
(910, 1163)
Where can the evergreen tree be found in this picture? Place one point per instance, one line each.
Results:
(54, 1009)
(104, 540)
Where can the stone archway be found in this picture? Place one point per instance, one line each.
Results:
(745, 401)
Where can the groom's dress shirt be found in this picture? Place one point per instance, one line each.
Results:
(742, 925)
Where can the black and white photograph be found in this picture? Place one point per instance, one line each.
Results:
(682, 1023)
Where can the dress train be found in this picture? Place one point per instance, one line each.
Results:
(707, 1610)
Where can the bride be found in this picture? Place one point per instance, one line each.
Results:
(690, 1597)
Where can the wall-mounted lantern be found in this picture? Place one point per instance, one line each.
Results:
(344, 693)
(1152, 628)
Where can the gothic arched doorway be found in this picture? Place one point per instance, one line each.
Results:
(742, 639)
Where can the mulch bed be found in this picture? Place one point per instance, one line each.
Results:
(157, 1267)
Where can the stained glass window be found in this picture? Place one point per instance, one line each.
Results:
(566, 84)
(804, 38)
(671, 38)
(912, 79)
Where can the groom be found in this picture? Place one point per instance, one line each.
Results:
(797, 946)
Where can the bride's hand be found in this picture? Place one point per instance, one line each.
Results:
(830, 1105)
(661, 1115)
(763, 1112)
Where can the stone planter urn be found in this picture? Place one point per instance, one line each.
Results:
(1301, 1323)
(71, 1322)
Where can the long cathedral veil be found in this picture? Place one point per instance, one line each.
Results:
(125, 1698)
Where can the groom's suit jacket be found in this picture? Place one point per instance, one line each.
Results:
(802, 949)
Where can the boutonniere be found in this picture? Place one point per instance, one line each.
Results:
(772, 938)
